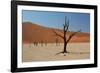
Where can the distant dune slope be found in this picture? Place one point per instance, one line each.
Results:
(35, 33)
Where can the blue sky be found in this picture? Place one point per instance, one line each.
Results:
(56, 19)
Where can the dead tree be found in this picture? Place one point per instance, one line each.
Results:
(45, 43)
(65, 39)
(41, 43)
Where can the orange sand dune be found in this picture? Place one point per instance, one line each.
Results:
(35, 33)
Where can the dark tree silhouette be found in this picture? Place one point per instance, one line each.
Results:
(41, 43)
(45, 43)
(65, 39)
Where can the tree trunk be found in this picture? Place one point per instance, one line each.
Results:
(65, 45)
(64, 50)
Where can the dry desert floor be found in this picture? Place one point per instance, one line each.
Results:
(31, 53)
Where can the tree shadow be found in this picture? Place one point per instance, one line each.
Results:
(66, 53)
(78, 52)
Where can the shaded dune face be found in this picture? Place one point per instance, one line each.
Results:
(35, 33)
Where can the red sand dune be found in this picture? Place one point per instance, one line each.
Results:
(35, 33)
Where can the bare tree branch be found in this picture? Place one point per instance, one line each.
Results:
(60, 31)
(58, 34)
(72, 35)
(67, 26)
(65, 20)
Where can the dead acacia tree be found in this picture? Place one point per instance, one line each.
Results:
(64, 36)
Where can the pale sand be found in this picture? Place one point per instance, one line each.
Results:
(31, 53)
